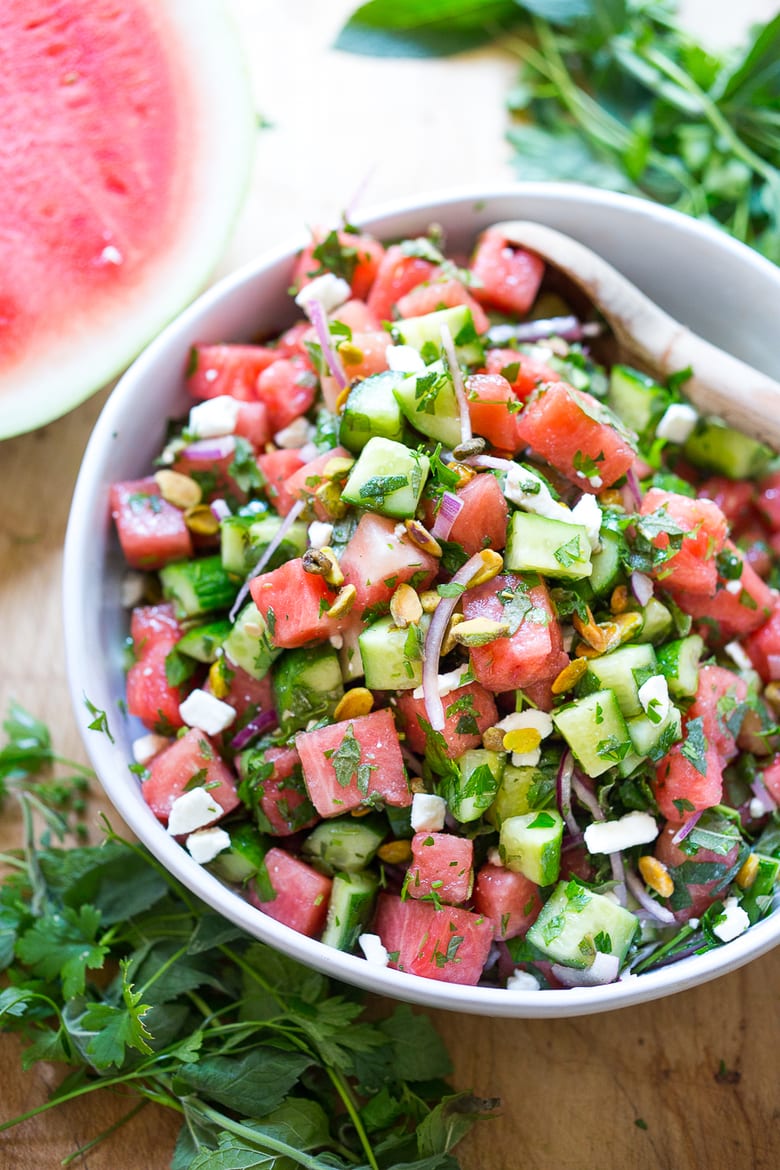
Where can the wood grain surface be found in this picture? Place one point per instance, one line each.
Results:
(638, 1089)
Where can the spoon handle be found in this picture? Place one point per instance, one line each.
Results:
(721, 384)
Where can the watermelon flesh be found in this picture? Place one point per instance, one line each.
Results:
(117, 206)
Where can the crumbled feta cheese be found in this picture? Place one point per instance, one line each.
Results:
(693, 923)
(206, 712)
(193, 810)
(635, 828)
(428, 812)
(146, 747)
(654, 697)
(494, 857)
(447, 682)
(132, 590)
(588, 513)
(677, 423)
(374, 950)
(530, 492)
(205, 844)
(757, 808)
(331, 291)
(734, 587)
(320, 534)
(404, 358)
(296, 435)
(214, 418)
(522, 981)
(336, 641)
(738, 655)
(733, 922)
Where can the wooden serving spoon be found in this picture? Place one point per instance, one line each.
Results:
(649, 338)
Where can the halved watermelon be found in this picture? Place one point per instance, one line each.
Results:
(127, 133)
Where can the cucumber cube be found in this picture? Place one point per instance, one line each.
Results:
(678, 662)
(638, 401)
(716, 447)
(575, 923)
(595, 730)
(392, 658)
(205, 641)
(536, 544)
(198, 587)
(472, 790)
(244, 858)
(387, 478)
(424, 334)
(248, 645)
(531, 844)
(516, 793)
(351, 902)
(372, 410)
(622, 671)
(655, 739)
(657, 622)
(307, 685)
(428, 401)
(244, 539)
(345, 843)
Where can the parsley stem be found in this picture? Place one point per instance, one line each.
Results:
(81, 1091)
(257, 1138)
(343, 1090)
(174, 958)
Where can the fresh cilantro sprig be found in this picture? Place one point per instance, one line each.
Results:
(111, 968)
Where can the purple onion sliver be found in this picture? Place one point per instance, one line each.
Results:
(271, 548)
(569, 328)
(661, 913)
(563, 792)
(210, 448)
(687, 827)
(434, 708)
(219, 509)
(449, 510)
(641, 587)
(320, 322)
(586, 798)
(448, 345)
(491, 462)
(760, 791)
(619, 876)
(262, 722)
(632, 483)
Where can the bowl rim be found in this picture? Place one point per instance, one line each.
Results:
(110, 762)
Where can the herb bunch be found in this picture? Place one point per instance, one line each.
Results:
(114, 970)
(614, 93)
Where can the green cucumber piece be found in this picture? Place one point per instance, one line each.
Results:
(199, 586)
(204, 642)
(392, 658)
(307, 686)
(244, 539)
(387, 478)
(245, 857)
(622, 671)
(345, 843)
(595, 730)
(536, 544)
(349, 910)
(424, 334)
(471, 790)
(575, 923)
(654, 739)
(248, 645)
(678, 662)
(607, 571)
(521, 791)
(428, 401)
(715, 447)
(657, 622)
(639, 402)
(758, 898)
(371, 409)
(531, 844)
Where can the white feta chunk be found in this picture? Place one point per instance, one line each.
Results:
(374, 950)
(677, 423)
(206, 712)
(146, 747)
(522, 981)
(588, 513)
(734, 587)
(733, 922)
(738, 655)
(635, 828)
(331, 291)
(405, 359)
(296, 435)
(193, 810)
(428, 812)
(494, 857)
(205, 844)
(214, 418)
(132, 590)
(336, 641)
(320, 534)
(757, 808)
(446, 683)
(531, 493)
(654, 697)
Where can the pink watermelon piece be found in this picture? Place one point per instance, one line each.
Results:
(700, 892)
(509, 277)
(468, 711)
(441, 868)
(448, 944)
(481, 522)
(117, 207)
(692, 568)
(348, 763)
(720, 692)
(150, 697)
(533, 652)
(282, 797)
(192, 756)
(377, 560)
(301, 893)
(510, 900)
(763, 646)
(294, 604)
(151, 531)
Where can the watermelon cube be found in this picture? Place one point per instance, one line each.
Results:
(493, 409)
(366, 253)
(533, 651)
(468, 712)
(294, 604)
(718, 695)
(577, 434)
(441, 868)
(508, 277)
(441, 294)
(215, 370)
(682, 788)
(693, 567)
(247, 695)
(523, 372)
(301, 897)
(280, 798)
(763, 646)
(396, 275)
(276, 467)
(377, 560)
(730, 613)
(287, 389)
(354, 762)
(304, 482)
(150, 697)
(151, 531)
(771, 778)
(510, 900)
(171, 773)
(700, 892)
(448, 944)
(481, 522)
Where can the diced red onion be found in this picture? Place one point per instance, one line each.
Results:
(619, 875)
(761, 793)
(569, 328)
(586, 798)
(210, 449)
(220, 509)
(319, 320)
(492, 462)
(271, 548)
(262, 722)
(637, 888)
(434, 708)
(632, 483)
(687, 827)
(603, 969)
(448, 345)
(641, 587)
(773, 662)
(563, 787)
(449, 510)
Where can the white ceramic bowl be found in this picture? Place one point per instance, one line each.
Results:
(716, 286)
